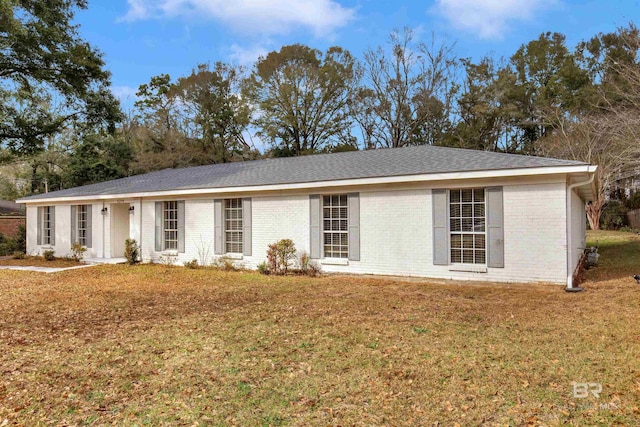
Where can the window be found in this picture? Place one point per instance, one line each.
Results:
(233, 225)
(335, 227)
(170, 225)
(82, 225)
(467, 226)
(47, 225)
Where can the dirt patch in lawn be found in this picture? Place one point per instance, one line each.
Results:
(151, 345)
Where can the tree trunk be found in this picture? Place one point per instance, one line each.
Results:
(594, 209)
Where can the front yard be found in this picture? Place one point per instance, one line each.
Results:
(151, 345)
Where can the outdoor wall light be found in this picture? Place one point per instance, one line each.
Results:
(104, 210)
(131, 209)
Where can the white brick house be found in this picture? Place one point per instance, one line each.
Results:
(417, 211)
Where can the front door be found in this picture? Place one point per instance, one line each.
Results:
(119, 228)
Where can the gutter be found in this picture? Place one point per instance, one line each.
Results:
(570, 287)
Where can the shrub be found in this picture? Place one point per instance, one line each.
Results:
(20, 239)
(169, 260)
(279, 255)
(614, 216)
(49, 255)
(314, 269)
(18, 255)
(131, 251)
(225, 263)
(263, 268)
(193, 264)
(77, 252)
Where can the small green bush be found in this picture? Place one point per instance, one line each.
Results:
(18, 255)
(193, 264)
(131, 251)
(49, 255)
(614, 216)
(263, 268)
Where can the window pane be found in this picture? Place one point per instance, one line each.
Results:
(454, 210)
(467, 226)
(456, 241)
(336, 226)
(233, 225)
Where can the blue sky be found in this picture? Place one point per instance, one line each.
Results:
(144, 38)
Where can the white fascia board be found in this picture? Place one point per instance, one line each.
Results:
(448, 176)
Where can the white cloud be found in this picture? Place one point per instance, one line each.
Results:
(489, 19)
(246, 56)
(322, 17)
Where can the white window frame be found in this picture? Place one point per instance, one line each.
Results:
(333, 208)
(46, 225)
(475, 229)
(170, 225)
(233, 226)
(81, 222)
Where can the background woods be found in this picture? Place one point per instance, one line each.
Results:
(61, 126)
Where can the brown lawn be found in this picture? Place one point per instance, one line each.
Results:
(151, 345)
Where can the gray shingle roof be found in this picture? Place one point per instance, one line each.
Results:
(321, 167)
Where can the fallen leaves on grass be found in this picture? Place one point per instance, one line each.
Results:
(155, 345)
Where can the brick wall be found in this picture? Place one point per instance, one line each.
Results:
(9, 225)
(395, 230)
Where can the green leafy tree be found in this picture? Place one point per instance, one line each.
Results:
(50, 78)
(481, 124)
(302, 97)
(217, 113)
(97, 158)
(541, 84)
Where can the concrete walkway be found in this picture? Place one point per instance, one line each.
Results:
(42, 269)
(121, 260)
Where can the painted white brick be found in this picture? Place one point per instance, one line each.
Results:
(395, 231)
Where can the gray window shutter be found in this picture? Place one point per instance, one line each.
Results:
(246, 226)
(440, 234)
(495, 227)
(74, 224)
(218, 243)
(315, 242)
(53, 225)
(158, 226)
(354, 226)
(40, 208)
(181, 226)
(89, 226)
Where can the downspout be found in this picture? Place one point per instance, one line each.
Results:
(140, 232)
(103, 233)
(570, 287)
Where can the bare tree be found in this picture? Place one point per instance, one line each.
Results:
(407, 94)
(609, 141)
